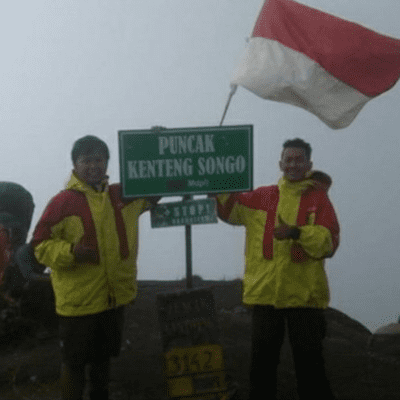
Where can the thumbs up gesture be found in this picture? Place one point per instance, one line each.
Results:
(285, 231)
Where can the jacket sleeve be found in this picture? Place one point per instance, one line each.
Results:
(151, 202)
(50, 246)
(233, 208)
(143, 203)
(227, 208)
(321, 239)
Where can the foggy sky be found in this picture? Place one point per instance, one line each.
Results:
(75, 68)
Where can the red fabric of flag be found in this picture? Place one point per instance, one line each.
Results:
(360, 57)
(317, 61)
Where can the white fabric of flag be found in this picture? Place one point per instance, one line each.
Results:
(314, 60)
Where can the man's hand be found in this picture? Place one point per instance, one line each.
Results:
(158, 128)
(84, 254)
(153, 200)
(284, 231)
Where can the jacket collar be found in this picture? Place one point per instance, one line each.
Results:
(296, 188)
(77, 184)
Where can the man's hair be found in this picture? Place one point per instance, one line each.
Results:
(299, 143)
(89, 145)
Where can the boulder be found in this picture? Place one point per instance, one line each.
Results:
(16, 210)
(390, 329)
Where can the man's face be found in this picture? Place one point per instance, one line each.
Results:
(294, 164)
(91, 168)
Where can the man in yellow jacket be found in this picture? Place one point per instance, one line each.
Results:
(88, 236)
(290, 228)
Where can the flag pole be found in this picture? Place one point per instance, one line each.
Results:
(234, 87)
(233, 91)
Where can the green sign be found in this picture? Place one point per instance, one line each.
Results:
(184, 161)
(190, 212)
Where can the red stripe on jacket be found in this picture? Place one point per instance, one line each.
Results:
(317, 201)
(118, 204)
(72, 202)
(266, 198)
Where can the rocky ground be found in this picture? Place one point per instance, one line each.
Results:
(360, 365)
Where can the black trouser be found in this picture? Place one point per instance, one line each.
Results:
(73, 380)
(89, 340)
(307, 329)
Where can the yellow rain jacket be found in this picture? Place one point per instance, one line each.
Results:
(284, 273)
(101, 221)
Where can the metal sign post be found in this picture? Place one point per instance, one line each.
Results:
(188, 237)
(185, 162)
(186, 212)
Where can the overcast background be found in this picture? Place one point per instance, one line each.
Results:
(72, 68)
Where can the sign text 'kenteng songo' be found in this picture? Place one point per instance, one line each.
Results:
(184, 161)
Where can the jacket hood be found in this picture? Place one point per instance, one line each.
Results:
(321, 180)
(317, 179)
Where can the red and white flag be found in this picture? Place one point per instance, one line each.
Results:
(314, 60)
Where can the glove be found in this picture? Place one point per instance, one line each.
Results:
(84, 254)
(285, 231)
